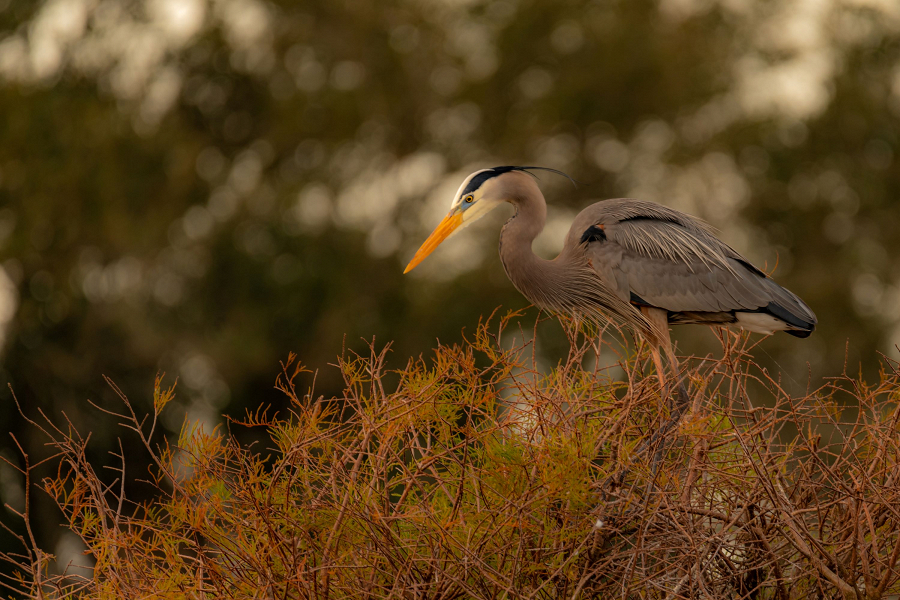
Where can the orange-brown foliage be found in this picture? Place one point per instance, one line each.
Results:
(472, 475)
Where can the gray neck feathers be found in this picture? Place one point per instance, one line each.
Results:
(566, 284)
(535, 277)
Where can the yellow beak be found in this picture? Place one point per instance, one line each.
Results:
(450, 223)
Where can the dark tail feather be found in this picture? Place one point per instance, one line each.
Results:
(777, 310)
(804, 333)
(788, 307)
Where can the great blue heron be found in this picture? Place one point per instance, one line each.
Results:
(639, 263)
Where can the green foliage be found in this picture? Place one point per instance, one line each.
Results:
(473, 476)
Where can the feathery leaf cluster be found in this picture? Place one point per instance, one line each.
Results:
(470, 474)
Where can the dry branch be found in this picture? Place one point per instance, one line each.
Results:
(477, 476)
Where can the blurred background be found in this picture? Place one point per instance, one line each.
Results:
(201, 186)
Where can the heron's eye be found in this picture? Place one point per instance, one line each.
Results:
(468, 199)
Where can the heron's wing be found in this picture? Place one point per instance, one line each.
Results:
(683, 268)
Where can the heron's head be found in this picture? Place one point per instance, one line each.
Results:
(480, 193)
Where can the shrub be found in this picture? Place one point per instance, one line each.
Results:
(472, 475)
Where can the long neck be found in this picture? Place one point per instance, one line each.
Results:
(532, 275)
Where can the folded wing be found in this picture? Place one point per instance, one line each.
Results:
(653, 256)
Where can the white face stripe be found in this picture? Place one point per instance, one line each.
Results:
(478, 210)
(456, 198)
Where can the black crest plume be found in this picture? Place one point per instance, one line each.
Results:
(480, 178)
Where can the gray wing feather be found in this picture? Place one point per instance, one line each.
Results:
(674, 261)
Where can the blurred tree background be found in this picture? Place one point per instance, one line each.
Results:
(201, 186)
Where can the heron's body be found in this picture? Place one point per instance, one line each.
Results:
(637, 262)
(622, 254)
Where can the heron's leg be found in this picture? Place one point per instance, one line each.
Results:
(677, 402)
(680, 398)
(660, 370)
(659, 323)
